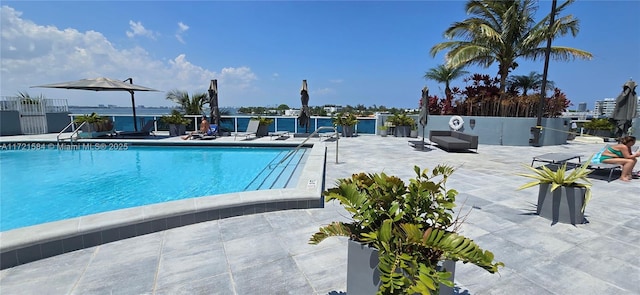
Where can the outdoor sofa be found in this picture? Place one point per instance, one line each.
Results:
(450, 140)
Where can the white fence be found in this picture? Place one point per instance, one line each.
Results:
(33, 111)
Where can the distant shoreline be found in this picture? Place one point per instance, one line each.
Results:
(140, 110)
(116, 107)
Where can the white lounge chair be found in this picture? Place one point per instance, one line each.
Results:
(252, 130)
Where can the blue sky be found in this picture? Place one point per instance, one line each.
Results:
(349, 52)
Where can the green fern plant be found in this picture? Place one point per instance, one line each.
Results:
(576, 178)
(412, 227)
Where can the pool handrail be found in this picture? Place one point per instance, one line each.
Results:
(65, 129)
(306, 139)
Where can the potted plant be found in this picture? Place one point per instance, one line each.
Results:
(402, 124)
(263, 126)
(414, 131)
(346, 121)
(562, 196)
(94, 123)
(408, 229)
(383, 130)
(177, 123)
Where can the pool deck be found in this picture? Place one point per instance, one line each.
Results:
(267, 253)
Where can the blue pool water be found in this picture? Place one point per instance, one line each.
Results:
(38, 186)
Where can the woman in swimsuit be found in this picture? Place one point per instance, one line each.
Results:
(621, 154)
(204, 128)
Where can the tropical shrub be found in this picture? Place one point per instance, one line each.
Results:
(599, 124)
(176, 118)
(263, 121)
(345, 119)
(412, 227)
(401, 120)
(560, 177)
(95, 122)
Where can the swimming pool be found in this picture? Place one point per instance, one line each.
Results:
(43, 185)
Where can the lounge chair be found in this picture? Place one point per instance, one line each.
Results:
(145, 131)
(212, 133)
(605, 166)
(280, 135)
(252, 129)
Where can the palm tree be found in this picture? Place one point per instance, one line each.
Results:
(502, 32)
(191, 105)
(532, 81)
(444, 74)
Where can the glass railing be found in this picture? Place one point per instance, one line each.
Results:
(366, 125)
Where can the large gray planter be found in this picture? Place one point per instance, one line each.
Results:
(563, 205)
(177, 130)
(89, 127)
(263, 130)
(403, 131)
(601, 133)
(363, 276)
(347, 131)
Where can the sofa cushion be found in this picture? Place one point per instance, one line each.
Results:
(448, 140)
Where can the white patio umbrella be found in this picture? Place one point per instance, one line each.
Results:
(103, 84)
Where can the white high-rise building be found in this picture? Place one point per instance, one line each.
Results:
(604, 108)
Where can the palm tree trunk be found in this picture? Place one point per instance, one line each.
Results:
(543, 91)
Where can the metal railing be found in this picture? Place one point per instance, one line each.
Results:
(290, 153)
(75, 132)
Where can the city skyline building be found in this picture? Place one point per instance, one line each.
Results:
(604, 108)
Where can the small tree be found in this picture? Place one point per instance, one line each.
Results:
(191, 105)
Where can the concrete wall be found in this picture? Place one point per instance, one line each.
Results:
(10, 123)
(508, 131)
(636, 126)
(57, 121)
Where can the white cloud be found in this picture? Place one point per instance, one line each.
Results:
(32, 54)
(137, 29)
(336, 81)
(275, 76)
(181, 29)
(323, 91)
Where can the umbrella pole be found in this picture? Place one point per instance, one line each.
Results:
(423, 131)
(133, 105)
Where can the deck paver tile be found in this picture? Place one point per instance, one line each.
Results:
(267, 253)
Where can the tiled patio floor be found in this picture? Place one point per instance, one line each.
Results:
(268, 253)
